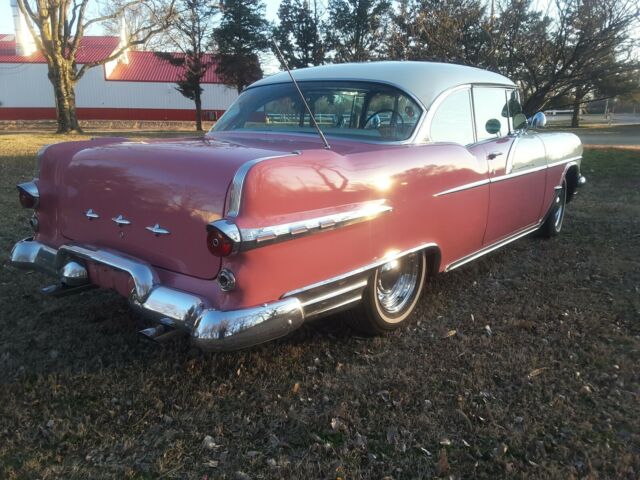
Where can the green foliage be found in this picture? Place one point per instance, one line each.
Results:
(357, 29)
(241, 36)
(299, 35)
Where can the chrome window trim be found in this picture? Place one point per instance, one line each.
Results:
(435, 105)
(473, 103)
(508, 167)
(411, 140)
(235, 190)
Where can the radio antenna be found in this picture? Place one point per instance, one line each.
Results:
(306, 105)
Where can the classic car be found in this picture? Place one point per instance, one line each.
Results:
(241, 236)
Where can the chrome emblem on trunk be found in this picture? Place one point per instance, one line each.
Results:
(90, 214)
(158, 230)
(121, 221)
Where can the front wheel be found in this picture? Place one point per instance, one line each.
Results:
(553, 224)
(391, 295)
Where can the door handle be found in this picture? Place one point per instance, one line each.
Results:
(493, 155)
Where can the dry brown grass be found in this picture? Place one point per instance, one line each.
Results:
(553, 392)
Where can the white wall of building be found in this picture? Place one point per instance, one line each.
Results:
(26, 85)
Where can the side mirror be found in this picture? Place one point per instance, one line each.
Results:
(539, 120)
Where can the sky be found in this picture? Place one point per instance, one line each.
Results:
(6, 17)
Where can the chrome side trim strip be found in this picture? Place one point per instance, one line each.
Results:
(259, 237)
(335, 293)
(235, 190)
(500, 178)
(466, 186)
(518, 174)
(491, 248)
(561, 162)
(370, 266)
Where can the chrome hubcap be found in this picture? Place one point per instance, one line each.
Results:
(397, 283)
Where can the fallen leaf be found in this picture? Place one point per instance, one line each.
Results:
(536, 372)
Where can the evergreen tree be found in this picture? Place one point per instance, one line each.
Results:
(190, 34)
(298, 33)
(241, 36)
(357, 29)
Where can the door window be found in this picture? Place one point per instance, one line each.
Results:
(491, 112)
(452, 121)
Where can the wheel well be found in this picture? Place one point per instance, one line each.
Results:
(571, 177)
(433, 260)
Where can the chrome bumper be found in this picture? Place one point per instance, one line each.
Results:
(209, 329)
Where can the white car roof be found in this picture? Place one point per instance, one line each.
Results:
(423, 80)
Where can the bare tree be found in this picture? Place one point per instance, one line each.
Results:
(588, 40)
(58, 27)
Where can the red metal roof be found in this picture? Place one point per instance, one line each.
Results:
(147, 67)
(91, 49)
(142, 66)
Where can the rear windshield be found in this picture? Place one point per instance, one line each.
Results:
(359, 110)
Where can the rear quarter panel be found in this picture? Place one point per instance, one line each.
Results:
(408, 177)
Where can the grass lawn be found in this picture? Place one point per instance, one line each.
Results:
(553, 392)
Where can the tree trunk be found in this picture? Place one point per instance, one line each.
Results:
(198, 102)
(577, 101)
(61, 77)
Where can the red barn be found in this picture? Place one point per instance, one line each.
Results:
(136, 86)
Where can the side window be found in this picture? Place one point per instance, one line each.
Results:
(518, 118)
(491, 112)
(452, 121)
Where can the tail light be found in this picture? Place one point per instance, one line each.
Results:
(29, 195)
(223, 238)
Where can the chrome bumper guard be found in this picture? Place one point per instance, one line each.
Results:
(209, 329)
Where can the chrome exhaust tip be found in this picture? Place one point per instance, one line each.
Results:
(160, 333)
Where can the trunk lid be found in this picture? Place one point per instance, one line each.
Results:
(177, 185)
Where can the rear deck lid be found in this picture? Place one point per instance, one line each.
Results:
(152, 200)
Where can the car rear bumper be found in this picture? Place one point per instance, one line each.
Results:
(209, 329)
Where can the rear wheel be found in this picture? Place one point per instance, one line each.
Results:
(553, 224)
(391, 296)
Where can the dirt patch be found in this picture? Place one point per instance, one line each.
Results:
(539, 378)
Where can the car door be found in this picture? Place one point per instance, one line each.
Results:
(517, 165)
(462, 201)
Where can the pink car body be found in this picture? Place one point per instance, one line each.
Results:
(305, 226)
